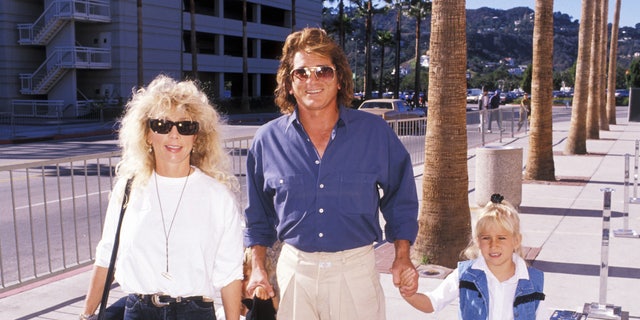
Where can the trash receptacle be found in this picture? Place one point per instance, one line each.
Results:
(498, 170)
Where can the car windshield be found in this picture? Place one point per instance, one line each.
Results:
(376, 105)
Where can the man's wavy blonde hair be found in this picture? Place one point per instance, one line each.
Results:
(157, 99)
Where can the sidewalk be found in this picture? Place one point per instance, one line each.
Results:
(562, 219)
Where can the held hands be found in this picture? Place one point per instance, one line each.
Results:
(259, 285)
(405, 277)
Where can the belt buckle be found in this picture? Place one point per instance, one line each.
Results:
(155, 299)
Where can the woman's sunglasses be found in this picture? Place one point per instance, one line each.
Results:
(324, 73)
(185, 128)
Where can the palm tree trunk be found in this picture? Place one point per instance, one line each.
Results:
(445, 223)
(293, 15)
(140, 49)
(396, 75)
(613, 65)
(380, 84)
(416, 83)
(192, 38)
(245, 65)
(540, 165)
(593, 105)
(367, 51)
(577, 138)
(604, 121)
(341, 26)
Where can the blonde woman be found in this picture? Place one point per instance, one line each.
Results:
(181, 237)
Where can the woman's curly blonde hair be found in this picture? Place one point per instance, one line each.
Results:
(315, 41)
(157, 99)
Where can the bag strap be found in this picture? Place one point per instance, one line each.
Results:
(114, 252)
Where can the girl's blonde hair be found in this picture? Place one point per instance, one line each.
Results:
(157, 99)
(496, 212)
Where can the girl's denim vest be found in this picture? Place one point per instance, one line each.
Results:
(474, 293)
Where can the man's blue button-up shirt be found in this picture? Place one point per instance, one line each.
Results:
(331, 203)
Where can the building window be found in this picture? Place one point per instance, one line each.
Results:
(206, 42)
(204, 7)
(275, 17)
(233, 47)
(233, 10)
(271, 49)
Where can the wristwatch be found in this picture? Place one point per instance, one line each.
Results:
(88, 316)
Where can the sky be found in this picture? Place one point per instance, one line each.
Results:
(628, 10)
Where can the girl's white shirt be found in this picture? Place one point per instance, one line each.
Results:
(205, 242)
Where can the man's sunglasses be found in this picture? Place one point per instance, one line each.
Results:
(185, 128)
(324, 73)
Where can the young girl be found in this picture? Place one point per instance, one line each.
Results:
(496, 282)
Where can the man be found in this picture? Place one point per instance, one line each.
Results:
(483, 104)
(525, 109)
(317, 177)
(494, 104)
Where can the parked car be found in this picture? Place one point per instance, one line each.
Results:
(621, 93)
(473, 95)
(391, 109)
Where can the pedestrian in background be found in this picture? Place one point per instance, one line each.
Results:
(181, 236)
(494, 112)
(317, 178)
(483, 107)
(525, 110)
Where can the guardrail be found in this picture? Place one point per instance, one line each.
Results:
(53, 210)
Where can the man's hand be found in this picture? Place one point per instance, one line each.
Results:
(405, 276)
(259, 277)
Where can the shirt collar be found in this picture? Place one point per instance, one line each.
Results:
(343, 119)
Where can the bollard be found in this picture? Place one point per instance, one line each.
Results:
(635, 174)
(604, 261)
(498, 170)
(600, 309)
(625, 232)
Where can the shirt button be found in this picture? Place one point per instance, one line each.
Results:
(317, 161)
(322, 186)
(281, 181)
(320, 234)
(321, 210)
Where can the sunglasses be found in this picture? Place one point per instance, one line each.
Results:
(324, 73)
(185, 128)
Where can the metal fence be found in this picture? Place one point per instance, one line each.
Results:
(52, 211)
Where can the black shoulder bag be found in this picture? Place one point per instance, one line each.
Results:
(114, 253)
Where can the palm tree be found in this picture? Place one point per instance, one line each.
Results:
(341, 22)
(602, 96)
(540, 164)
(140, 49)
(245, 62)
(293, 15)
(192, 38)
(396, 76)
(383, 39)
(593, 102)
(419, 9)
(445, 223)
(367, 49)
(577, 138)
(613, 62)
